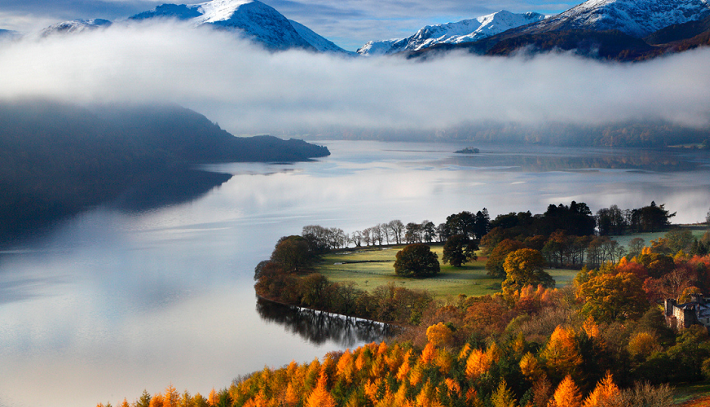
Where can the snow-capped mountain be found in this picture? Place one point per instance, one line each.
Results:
(637, 18)
(453, 33)
(251, 18)
(74, 26)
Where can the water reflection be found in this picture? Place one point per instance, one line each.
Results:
(319, 327)
(549, 159)
(169, 188)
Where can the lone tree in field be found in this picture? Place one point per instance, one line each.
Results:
(416, 260)
(525, 267)
(459, 249)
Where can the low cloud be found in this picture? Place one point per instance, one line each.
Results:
(249, 90)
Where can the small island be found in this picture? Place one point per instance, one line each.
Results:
(468, 150)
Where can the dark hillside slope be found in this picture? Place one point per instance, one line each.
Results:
(57, 159)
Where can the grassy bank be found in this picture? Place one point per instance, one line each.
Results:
(371, 267)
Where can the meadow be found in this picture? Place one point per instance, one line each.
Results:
(370, 267)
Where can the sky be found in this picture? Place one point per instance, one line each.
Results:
(348, 23)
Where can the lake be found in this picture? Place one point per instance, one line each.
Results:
(127, 297)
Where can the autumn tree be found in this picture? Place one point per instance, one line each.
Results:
(503, 396)
(561, 354)
(608, 297)
(416, 260)
(525, 267)
(144, 400)
(567, 394)
(459, 249)
(292, 253)
(171, 397)
(439, 335)
(320, 397)
(494, 265)
(606, 394)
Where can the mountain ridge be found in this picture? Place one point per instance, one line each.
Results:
(254, 19)
(565, 32)
(464, 31)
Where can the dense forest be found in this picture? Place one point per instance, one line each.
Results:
(604, 340)
(57, 159)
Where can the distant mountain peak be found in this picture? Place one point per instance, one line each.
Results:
(75, 26)
(637, 18)
(463, 31)
(251, 18)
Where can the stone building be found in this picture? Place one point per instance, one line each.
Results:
(695, 311)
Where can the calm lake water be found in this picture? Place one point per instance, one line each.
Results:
(137, 296)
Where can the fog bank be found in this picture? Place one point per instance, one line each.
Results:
(249, 90)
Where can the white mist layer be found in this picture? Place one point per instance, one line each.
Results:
(249, 90)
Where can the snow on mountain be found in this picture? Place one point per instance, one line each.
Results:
(320, 43)
(251, 18)
(453, 33)
(74, 26)
(633, 17)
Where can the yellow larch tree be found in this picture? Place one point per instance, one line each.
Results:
(382, 349)
(493, 353)
(443, 361)
(157, 400)
(378, 367)
(403, 371)
(415, 376)
(345, 367)
(561, 354)
(477, 364)
(606, 394)
(320, 396)
(503, 396)
(312, 374)
(567, 394)
(291, 398)
(426, 395)
(529, 366)
(429, 353)
(401, 396)
(370, 388)
(472, 398)
(394, 358)
(453, 386)
(463, 354)
(213, 398)
(591, 328)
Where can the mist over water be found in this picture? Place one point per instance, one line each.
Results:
(251, 91)
(112, 301)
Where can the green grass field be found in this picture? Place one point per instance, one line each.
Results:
(369, 268)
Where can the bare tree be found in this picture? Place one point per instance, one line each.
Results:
(366, 236)
(396, 227)
(356, 238)
(384, 229)
(376, 235)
